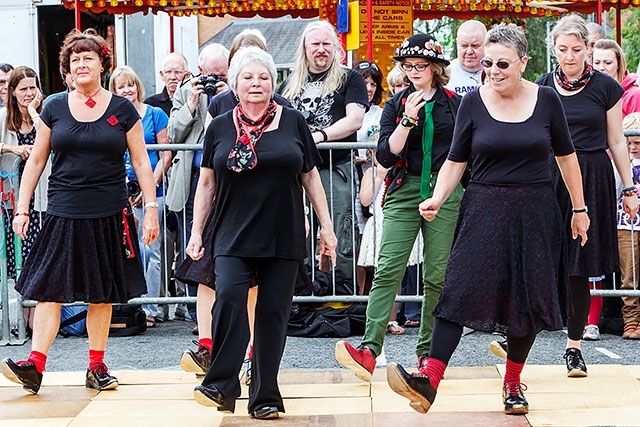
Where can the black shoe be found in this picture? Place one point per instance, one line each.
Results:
(513, 399)
(575, 363)
(211, 396)
(196, 361)
(98, 377)
(417, 387)
(499, 348)
(24, 373)
(266, 413)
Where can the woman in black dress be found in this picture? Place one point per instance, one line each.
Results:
(257, 159)
(593, 106)
(87, 249)
(509, 214)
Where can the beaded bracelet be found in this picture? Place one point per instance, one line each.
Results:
(629, 191)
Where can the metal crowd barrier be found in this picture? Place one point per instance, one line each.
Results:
(332, 297)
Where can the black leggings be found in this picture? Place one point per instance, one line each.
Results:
(446, 337)
(580, 304)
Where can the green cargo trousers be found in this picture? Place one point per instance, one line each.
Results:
(402, 223)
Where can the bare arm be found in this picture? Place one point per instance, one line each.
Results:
(344, 127)
(448, 178)
(572, 177)
(32, 171)
(142, 167)
(369, 187)
(205, 193)
(315, 192)
(620, 155)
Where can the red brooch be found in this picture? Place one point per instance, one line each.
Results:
(104, 50)
(113, 120)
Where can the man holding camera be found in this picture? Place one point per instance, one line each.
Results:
(333, 100)
(186, 126)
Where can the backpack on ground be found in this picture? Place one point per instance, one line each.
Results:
(73, 320)
(127, 320)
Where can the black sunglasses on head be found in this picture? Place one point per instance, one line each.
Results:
(367, 64)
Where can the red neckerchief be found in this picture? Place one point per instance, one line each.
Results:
(242, 156)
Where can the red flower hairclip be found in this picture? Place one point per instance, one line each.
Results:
(104, 50)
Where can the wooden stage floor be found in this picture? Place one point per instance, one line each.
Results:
(467, 397)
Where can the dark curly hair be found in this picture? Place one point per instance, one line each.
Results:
(88, 40)
(369, 69)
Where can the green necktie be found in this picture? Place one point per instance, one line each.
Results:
(427, 144)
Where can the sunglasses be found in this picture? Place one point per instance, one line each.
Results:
(417, 67)
(503, 65)
(366, 64)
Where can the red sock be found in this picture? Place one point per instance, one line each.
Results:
(513, 371)
(206, 343)
(38, 359)
(435, 371)
(596, 307)
(250, 352)
(95, 357)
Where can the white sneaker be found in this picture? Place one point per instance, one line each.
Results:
(591, 333)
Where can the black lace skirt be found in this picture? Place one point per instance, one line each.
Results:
(506, 272)
(599, 256)
(86, 260)
(201, 271)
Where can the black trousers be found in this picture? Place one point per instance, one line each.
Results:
(230, 326)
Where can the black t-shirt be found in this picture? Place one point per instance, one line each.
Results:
(88, 174)
(259, 213)
(507, 153)
(443, 123)
(586, 110)
(322, 112)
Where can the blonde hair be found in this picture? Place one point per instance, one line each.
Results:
(631, 122)
(336, 75)
(126, 72)
(396, 76)
(570, 24)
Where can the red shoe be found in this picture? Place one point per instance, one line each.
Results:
(360, 360)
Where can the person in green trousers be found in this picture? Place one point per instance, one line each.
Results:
(416, 129)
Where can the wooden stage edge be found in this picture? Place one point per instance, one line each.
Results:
(609, 396)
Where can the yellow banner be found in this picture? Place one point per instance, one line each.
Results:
(353, 36)
(392, 20)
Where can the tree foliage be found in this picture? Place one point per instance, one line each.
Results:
(631, 38)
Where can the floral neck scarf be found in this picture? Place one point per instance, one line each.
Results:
(242, 156)
(570, 85)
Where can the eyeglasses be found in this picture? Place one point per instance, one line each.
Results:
(503, 65)
(417, 67)
(173, 72)
(366, 64)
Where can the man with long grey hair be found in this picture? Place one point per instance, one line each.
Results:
(333, 100)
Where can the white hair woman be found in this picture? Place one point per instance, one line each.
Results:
(257, 159)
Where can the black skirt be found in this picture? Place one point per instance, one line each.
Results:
(194, 272)
(599, 256)
(507, 261)
(88, 260)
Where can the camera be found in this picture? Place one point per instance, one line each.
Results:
(133, 188)
(209, 82)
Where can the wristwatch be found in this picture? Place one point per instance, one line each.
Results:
(405, 122)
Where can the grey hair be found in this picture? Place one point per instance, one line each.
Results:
(178, 56)
(570, 24)
(595, 28)
(249, 55)
(212, 50)
(509, 35)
